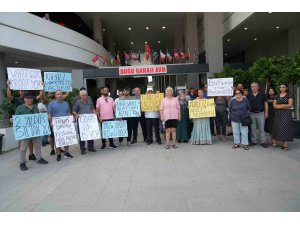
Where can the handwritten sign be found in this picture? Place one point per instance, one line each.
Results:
(151, 102)
(88, 127)
(128, 108)
(64, 131)
(220, 87)
(30, 125)
(200, 108)
(113, 129)
(58, 81)
(24, 79)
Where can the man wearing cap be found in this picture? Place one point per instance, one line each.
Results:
(29, 108)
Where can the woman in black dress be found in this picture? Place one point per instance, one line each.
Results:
(270, 120)
(283, 121)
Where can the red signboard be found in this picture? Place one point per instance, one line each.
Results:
(141, 70)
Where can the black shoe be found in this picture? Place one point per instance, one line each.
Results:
(145, 140)
(113, 146)
(149, 142)
(82, 152)
(44, 144)
(230, 134)
(252, 144)
(92, 150)
(23, 167)
(179, 141)
(68, 155)
(32, 157)
(133, 142)
(52, 152)
(42, 161)
(47, 143)
(102, 147)
(186, 141)
(63, 151)
(58, 157)
(159, 142)
(265, 145)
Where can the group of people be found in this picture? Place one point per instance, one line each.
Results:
(172, 117)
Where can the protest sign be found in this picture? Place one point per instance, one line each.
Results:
(30, 125)
(200, 108)
(113, 129)
(128, 108)
(58, 81)
(24, 79)
(88, 127)
(151, 102)
(64, 131)
(220, 87)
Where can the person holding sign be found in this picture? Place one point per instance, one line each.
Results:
(58, 108)
(201, 134)
(29, 108)
(84, 106)
(170, 114)
(105, 110)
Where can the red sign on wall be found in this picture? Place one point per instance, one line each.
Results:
(140, 70)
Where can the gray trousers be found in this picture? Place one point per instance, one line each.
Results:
(36, 141)
(258, 120)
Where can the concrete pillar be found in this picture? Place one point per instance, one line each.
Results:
(110, 44)
(293, 40)
(77, 79)
(2, 76)
(97, 30)
(179, 44)
(191, 44)
(213, 43)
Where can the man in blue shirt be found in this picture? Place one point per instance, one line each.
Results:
(58, 108)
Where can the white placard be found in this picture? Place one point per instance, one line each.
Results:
(64, 131)
(88, 127)
(220, 87)
(24, 79)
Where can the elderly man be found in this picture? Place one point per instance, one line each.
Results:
(58, 108)
(84, 106)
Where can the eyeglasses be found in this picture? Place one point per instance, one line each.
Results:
(238, 93)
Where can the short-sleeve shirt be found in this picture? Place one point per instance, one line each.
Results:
(23, 109)
(170, 108)
(81, 107)
(106, 108)
(59, 108)
(257, 102)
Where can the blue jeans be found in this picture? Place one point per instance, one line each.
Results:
(239, 132)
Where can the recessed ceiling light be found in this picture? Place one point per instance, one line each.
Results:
(228, 39)
(114, 43)
(163, 27)
(145, 42)
(158, 42)
(132, 42)
(255, 39)
(246, 28)
(129, 28)
(16, 62)
(225, 54)
(277, 27)
(103, 29)
(147, 28)
(270, 12)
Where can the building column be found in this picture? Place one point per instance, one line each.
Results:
(191, 44)
(293, 40)
(179, 44)
(2, 76)
(77, 79)
(97, 30)
(213, 43)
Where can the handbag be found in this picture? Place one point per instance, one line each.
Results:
(246, 121)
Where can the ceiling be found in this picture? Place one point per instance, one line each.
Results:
(261, 26)
(116, 27)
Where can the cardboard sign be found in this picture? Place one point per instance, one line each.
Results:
(142, 70)
(220, 87)
(88, 127)
(200, 108)
(24, 79)
(128, 108)
(151, 102)
(30, 125)
(114, 129)
(58, 81)
(64, 131)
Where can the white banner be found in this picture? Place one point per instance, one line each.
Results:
(24, 79)
(64, 131)
(141, 70)
(88, 127)
(220, 87)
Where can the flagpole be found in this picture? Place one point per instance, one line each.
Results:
(180, 56)
(166, 58)
(159, 56)
(173, 57)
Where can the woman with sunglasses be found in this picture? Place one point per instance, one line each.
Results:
(283, 121)
(239, 108)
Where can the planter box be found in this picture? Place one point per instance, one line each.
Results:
(9, 141)
(296, 127)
